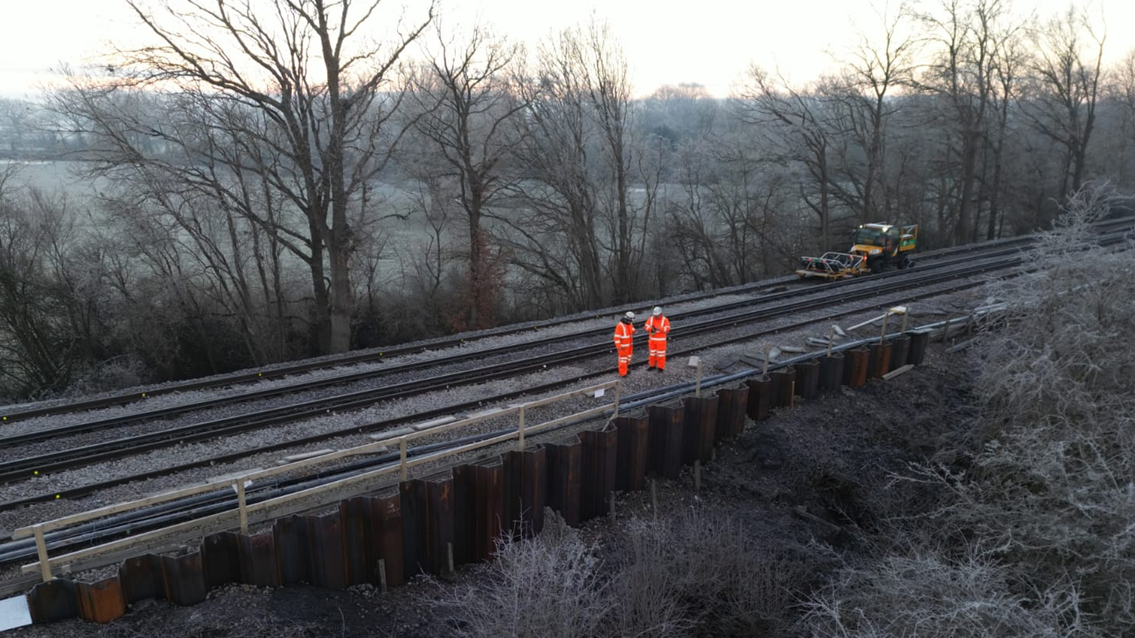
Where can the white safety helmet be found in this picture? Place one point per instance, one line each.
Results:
(657, 310)
(629, 316)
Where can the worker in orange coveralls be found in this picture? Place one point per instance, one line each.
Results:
(657, 326)
(624, 331)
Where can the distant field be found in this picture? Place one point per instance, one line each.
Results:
(55, 178)
(63, 179)
(404, 238)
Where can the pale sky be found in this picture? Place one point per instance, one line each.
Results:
(710, 42)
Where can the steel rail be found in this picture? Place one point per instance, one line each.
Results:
(223, 499)
(107, 450)
(131, 445)
(89, 426)
(370, 356)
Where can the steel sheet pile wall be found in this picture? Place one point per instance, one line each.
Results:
(433, 523)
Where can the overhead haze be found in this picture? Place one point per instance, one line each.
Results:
(711, 42)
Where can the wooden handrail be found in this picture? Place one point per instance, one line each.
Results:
(243, 511)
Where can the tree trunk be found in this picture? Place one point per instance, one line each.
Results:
(969, 169)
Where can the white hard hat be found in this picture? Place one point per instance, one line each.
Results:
(657, 310)
(629, 316)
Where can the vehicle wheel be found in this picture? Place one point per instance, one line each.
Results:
(904, 262)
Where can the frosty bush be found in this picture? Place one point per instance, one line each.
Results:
(1049, 494)
(707, 569)
(702, 572)
(1054, 486)
(924, 595)
(1067, 353)
(550, 583)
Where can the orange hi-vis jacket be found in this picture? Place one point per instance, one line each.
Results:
(624, 333)
(624, 342)
(658, 327)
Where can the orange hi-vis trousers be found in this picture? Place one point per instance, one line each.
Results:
(658, 327)
(624, 361)
(624, 345)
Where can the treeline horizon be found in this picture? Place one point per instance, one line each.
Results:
(351, 197)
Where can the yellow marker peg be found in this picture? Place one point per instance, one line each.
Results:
(143, 395)
(56, 496)
(35, 473)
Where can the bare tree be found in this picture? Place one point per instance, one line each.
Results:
(1008, 63)
(1123, 94)
(561, 198)
(1065, 82)
(15, 120)
(604, 71)
(49, 323)
(296, 100)
(876, 67)
(962, 75)
(581, 158)
(677, 113)
(469, 100)
(798, 123)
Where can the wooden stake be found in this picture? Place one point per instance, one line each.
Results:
(831, 339)
(611, 505)
(897, 371)
(768, 355)
(41, 549)
(654, 498)
(402, 453)
(697, 476)
(883, 334)
(520, 432)
(697, 387)
(449, 556)
(382, 574)
(243, 505)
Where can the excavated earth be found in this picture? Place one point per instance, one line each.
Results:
(817, 474)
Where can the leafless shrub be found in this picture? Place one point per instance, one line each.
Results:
(120, 372)
(1051, 488)
(707, 570)
(546, 585)
(1065, 356)
(1036, 535)
(925, 595)
(702, 572)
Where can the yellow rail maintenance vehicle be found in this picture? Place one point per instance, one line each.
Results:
(874, 248)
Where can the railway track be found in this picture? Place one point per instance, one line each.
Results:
(445, 360)
(222, 499)
(430, 414)
(42, 464)
(252, 376)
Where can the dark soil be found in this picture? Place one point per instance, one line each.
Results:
(820, 471)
